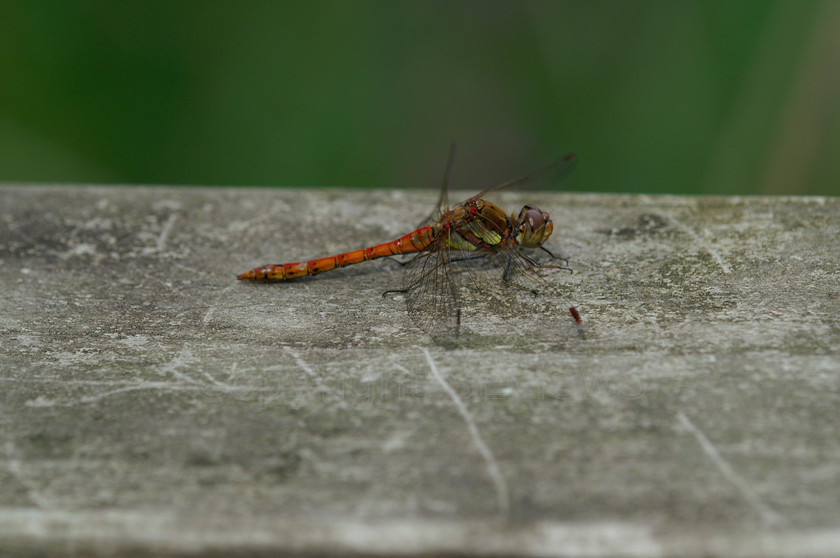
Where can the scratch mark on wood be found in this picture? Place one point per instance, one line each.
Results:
(769, 515)
(502, 496)
(701, 242)
(164, 233)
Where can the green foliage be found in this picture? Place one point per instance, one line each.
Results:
(654, 96)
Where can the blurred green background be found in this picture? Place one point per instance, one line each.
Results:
(715, 97)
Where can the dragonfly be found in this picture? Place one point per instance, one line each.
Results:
(473, 245)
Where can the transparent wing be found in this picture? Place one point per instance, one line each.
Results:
(507, 289)
(443, 200)
(544, 176)
(491, 292)
(431, 293)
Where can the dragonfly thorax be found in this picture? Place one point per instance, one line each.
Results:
(534, 226)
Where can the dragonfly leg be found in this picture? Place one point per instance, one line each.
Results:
(467, 258)
(414, 283)
(550, 253)
(394, 291)
(564, 268)
(546, 266)
(401, 262)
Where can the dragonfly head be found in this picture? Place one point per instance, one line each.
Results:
(535, 226)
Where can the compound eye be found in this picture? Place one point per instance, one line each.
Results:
(534, 218)
(535, 227)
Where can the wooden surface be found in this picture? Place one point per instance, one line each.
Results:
(152, 405)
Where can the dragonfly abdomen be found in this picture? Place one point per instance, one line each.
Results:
(269, 273)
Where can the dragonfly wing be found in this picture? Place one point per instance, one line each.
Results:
(431, 293)
(443, 199)
(510, 286)
(545, 301)
(489, 291)
(544, 176)
(522, 272)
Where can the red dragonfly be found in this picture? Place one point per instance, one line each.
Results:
(455, 246)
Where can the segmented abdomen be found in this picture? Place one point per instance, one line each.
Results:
(412, 242)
